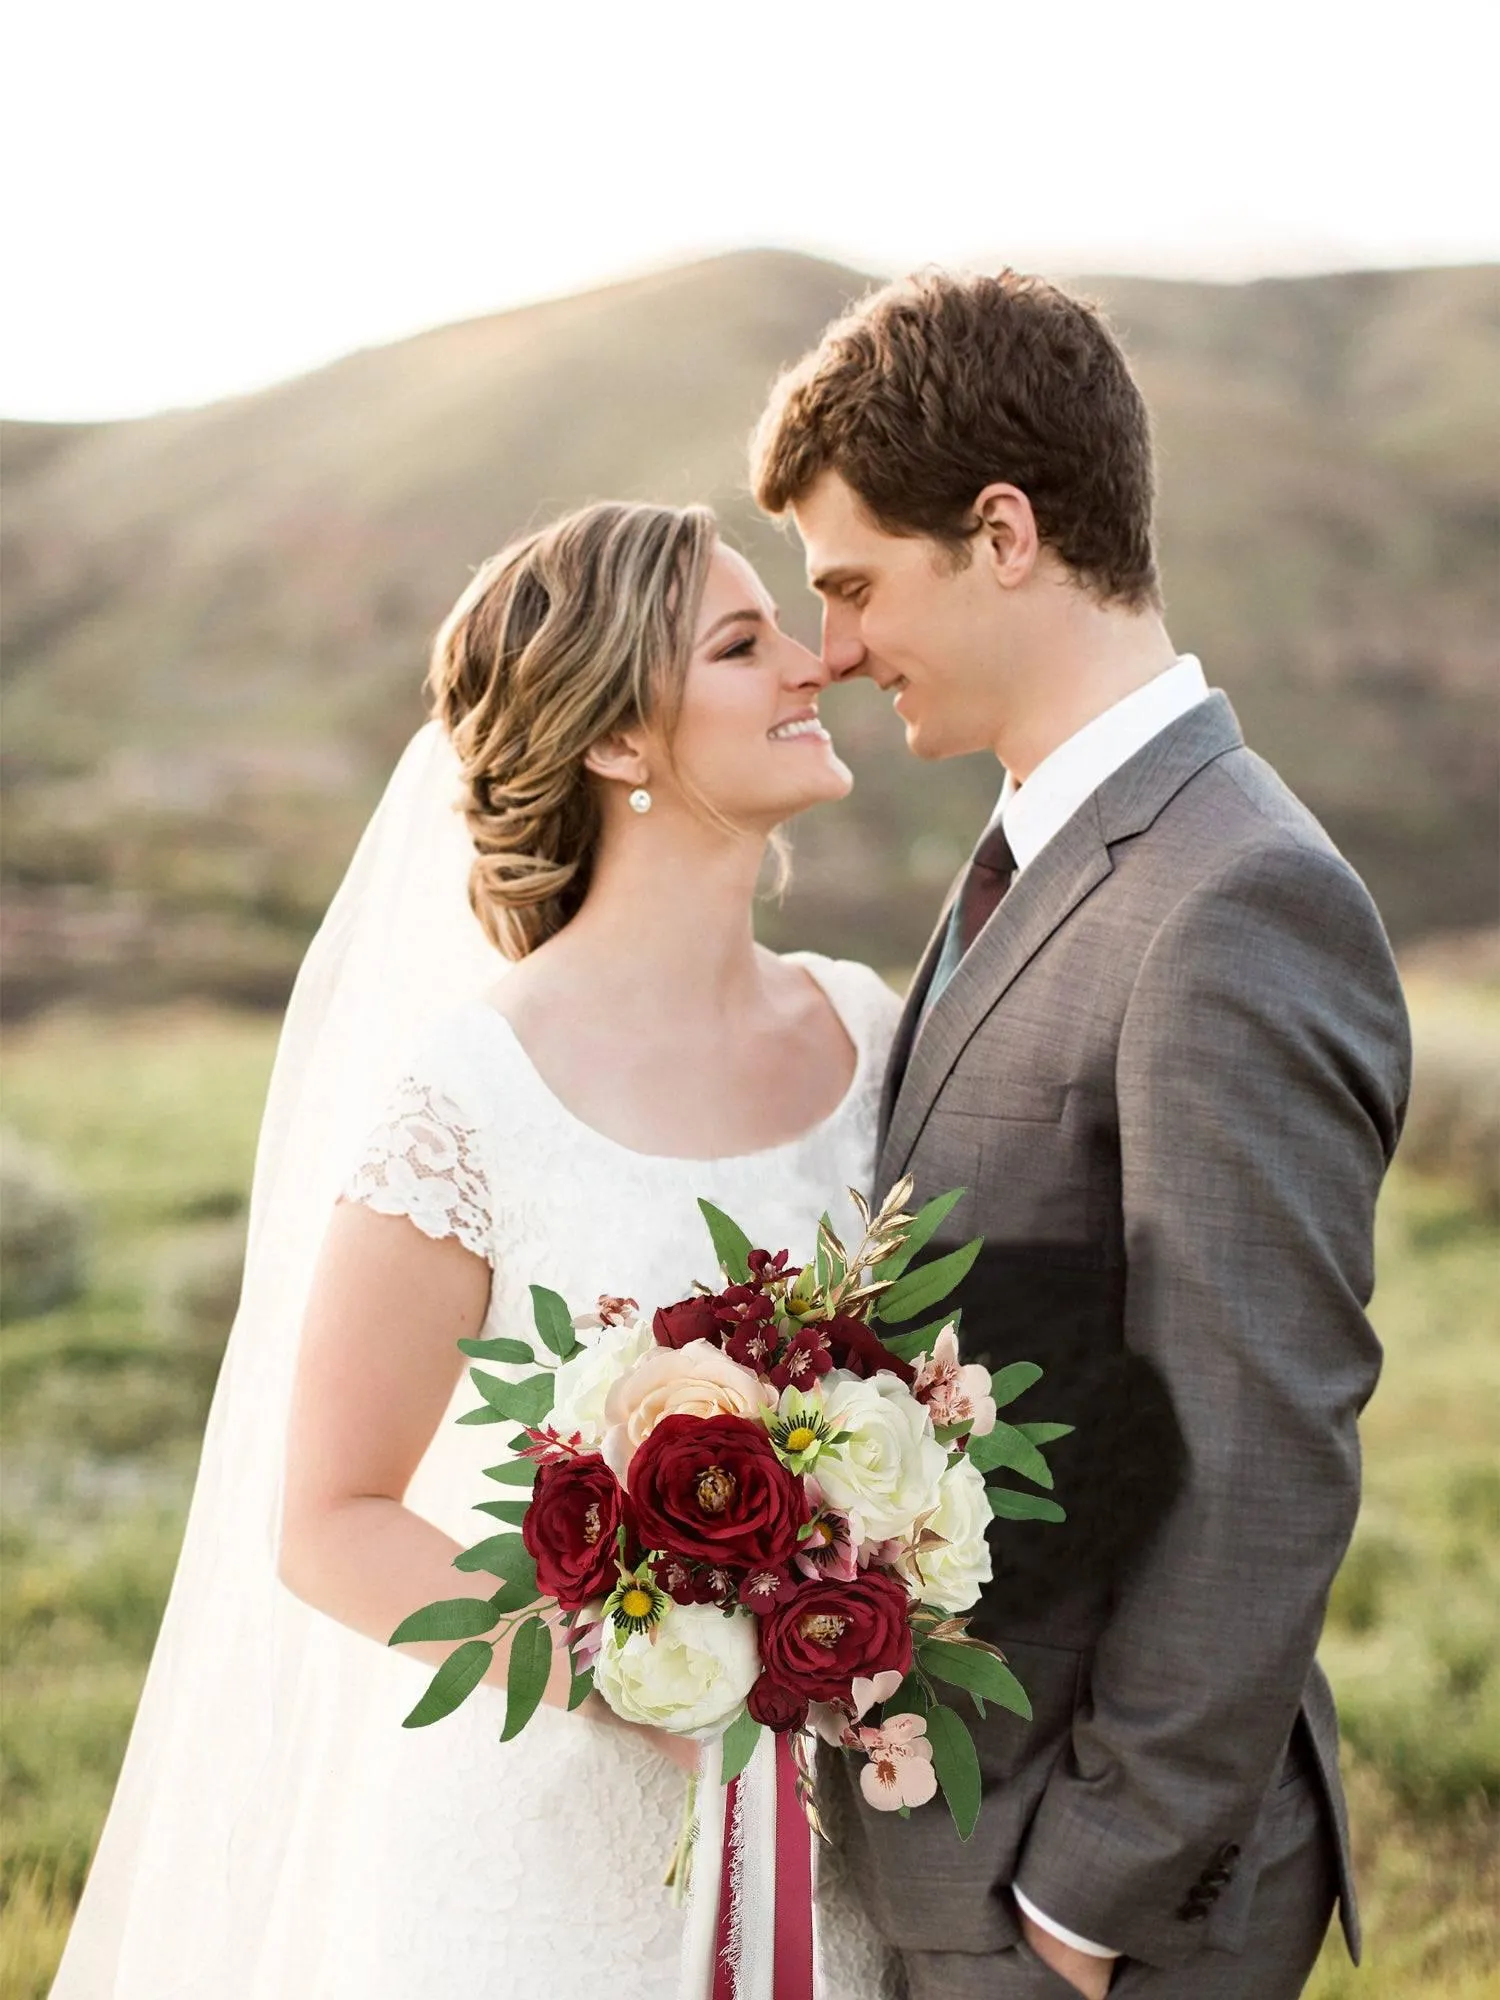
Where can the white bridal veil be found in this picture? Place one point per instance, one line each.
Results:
(242, 1791)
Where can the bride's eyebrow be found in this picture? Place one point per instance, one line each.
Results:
(752, 615)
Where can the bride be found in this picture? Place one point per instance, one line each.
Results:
(529, 1035)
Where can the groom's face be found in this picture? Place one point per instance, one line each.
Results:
(899, 610)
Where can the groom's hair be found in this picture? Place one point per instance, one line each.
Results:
(935, 387)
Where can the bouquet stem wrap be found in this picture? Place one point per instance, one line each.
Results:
(750, 1920)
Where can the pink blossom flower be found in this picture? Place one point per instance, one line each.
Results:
(900, 1771)
(830, 1548)
(954, 1393)
(834, 1720)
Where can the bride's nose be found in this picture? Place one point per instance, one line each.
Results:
(804, 669)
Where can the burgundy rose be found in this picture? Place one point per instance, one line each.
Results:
(570, 1528)
(858, 1348)
(777, 1706)
(711, 1489)
(692, 1319)
(829, 1632)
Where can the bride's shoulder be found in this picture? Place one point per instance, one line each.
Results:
(867, 1001)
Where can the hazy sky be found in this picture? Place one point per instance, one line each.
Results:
(204, 196)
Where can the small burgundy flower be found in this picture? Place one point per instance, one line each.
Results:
(777, 1706)
(766, 1585)
(807, 1356)
(764, 1268)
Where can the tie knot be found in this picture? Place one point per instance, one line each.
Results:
(993, 852)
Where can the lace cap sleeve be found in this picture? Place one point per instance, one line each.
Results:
(425, 1160)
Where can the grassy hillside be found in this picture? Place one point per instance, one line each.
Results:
(216, 620)
(102, 1397)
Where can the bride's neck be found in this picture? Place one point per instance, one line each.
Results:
(675, 917)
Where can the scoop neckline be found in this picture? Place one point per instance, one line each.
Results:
(809, 962)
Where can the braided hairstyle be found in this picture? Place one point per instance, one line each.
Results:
(568, 635)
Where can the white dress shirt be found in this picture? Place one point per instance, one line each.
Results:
(1031, 815)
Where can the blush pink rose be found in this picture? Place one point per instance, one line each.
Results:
(698, 1380)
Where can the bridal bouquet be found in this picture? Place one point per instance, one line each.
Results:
(762, 1509)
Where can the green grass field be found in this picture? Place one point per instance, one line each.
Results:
(152, 1119)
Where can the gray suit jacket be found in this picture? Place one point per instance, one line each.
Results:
(1171, 1073)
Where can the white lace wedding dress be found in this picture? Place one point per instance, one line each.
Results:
(535, 1867)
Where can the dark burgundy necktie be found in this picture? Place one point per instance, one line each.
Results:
(990, 874)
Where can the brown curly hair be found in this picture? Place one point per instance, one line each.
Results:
(933, 388)
(566, 636)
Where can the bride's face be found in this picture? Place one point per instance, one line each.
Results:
(748, 740)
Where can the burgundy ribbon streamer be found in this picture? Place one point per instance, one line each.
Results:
(792, 1945)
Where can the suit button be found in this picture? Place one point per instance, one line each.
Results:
(1216, 1878)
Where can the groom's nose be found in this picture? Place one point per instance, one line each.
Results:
(843, 649)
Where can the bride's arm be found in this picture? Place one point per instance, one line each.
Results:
(376, 1368)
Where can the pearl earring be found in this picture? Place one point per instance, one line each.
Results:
(640, 800)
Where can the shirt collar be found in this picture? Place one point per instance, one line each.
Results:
(1032, 813)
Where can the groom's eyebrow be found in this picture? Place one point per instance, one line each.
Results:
(832, 579)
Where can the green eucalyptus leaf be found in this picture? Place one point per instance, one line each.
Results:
(505, 1556)
(731, 1245)
(917, 1291)
(514, 1511)
(924, 1226)
(449, 1618)
(1045, 1433)
(976, 1669)
(1009, 1506)
(921, 1339)
(1006, 1446)
(515, 1351)
(518, 1472)
(483, 1415)
(526, 1675)
(580, 1688)
(1008, 1383)
(740, 1739)
(553, 1322)
(458, 1676)
(525, 1402)
(957, 1766)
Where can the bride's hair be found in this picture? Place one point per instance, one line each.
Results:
(566, 636)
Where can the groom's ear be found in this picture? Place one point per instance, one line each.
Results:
(1007, 534)
(620, 757)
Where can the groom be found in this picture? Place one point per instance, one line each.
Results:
(1159, 1038)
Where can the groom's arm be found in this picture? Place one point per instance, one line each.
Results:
(1261, 1082)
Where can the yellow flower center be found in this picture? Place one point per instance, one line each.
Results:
(593, 1527)
(637, 1603)
(822, 1628)
(715, 1489)
(802, 1438)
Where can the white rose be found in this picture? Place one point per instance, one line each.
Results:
(689, 1675)
(951, 1575)
(890, 1465)
(583, 1383)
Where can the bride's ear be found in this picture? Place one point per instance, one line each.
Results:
(620, 757)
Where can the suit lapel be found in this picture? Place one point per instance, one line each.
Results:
(911, 1013)
(1045, 895)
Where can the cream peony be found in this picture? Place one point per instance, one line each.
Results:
(890, 1464)
(698, 1380)
(952, 1574)
(584, 1382)
(689, 1674)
